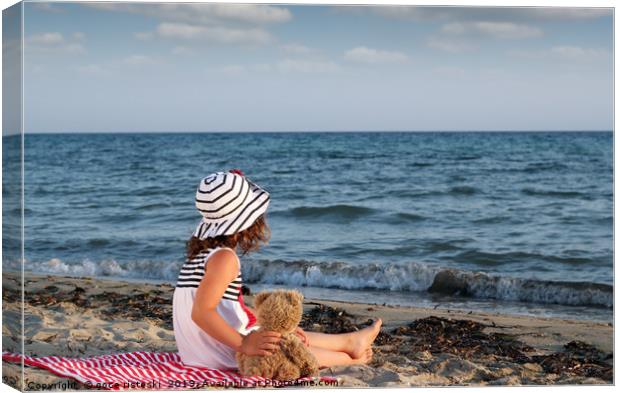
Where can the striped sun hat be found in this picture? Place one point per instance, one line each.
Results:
(229, 203)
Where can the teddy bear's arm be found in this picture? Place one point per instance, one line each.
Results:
(295, 350)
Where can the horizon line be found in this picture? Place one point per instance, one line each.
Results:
(299, 132)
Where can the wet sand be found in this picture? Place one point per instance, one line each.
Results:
(82, 317)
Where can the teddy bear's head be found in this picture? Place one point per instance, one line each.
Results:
(279, 310)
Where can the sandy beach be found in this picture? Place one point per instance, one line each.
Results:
(82, 317)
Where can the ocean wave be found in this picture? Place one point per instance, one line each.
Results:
(406, 217)
(153, 206)
(395, 277)
(146, 269)
(403, 277)
(536, 167)
(463, 190)
(492, 220)
(484, 286)
(552, 193)
(333, 211)
(420, 164)
(453, 191)
(466, 157)
(410, 194)
(350, 155)
(283, 171)
(493, 259)
(415, 277)
(609, 220)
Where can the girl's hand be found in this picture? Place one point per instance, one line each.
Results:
(260, 343)
(302, 336)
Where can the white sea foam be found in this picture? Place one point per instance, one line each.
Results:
(415, 277)
(149, 270)
(404, 277)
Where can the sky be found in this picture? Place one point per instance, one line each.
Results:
(129, 67)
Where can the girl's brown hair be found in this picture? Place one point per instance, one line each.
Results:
(249, 239)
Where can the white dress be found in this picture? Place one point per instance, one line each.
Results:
(195, 346)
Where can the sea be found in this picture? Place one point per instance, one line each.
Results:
(510, 222)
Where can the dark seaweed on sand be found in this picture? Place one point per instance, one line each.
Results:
(465, 339)
(460, 337)
(326, 319)
(155, 305)
(139, 306)
(580, 359)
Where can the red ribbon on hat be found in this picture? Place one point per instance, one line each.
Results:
(236, 172)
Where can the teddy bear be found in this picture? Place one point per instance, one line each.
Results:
(280, 311)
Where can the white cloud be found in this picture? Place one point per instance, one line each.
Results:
(47, 38)
(143, 35)
(110, 6)
(239, 69)
(460, 37)
(528, 54)
(91, 69)
(450, 45)
(48, 7)
(569, 13)
(449, 71)
(180, 30)
(576, 52)
(287, 65)
(297, 49)
(307, 66)
(362, 54)
(198, 13)
(563, 52)
(263, 67)
(113, 67)
(78, 35)
(505, 30)
(138, 60)
(222, 35)
(54, 42)
(182, 50)
(253, 13)
(233, 69)
(414, 13)
(219, 23)
(73, 48)
(508, 14)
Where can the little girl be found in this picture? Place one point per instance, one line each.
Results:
(211, 321)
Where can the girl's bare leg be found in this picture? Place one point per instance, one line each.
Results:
(354, 344)
(329, 358)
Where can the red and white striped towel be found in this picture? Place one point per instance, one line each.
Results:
(147, 370)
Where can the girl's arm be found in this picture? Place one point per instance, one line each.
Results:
(220, 271)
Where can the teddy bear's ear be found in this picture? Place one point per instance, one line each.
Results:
(295, 297)
(260, 297)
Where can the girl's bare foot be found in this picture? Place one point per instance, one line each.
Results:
(365, 358)
(361, 340)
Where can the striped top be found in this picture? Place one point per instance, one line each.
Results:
(193, 272)
(195, 346)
